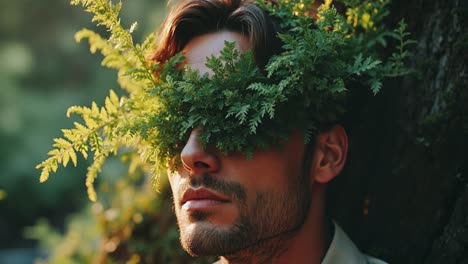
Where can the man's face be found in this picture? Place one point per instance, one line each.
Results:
(225, 204)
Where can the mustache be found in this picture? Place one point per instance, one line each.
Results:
(233, 190)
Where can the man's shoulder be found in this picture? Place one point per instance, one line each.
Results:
(343, 251)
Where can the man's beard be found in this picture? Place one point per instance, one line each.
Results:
(272, 217)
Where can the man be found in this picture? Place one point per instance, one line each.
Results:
(269, 208)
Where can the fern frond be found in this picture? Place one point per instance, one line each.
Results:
(91, 176)
(84, 137)
(240, 107)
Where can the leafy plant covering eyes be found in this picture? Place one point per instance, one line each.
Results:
(239, 107)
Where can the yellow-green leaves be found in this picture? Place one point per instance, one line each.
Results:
(105, 129)
(240, 107)
(85, 137)
(120, 52)
(96, 42)
(366, 15)
(112, 103)
(93, 171)
(61, 154)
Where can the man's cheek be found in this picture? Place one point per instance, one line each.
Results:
(173, 182)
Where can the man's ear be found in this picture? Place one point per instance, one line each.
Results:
(331, 150)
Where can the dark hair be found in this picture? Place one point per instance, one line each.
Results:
(193, 18)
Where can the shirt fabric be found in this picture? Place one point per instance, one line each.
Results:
(343, 251)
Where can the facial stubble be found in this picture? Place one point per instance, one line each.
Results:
(264, 226)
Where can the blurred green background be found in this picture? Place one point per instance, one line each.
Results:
(43, 71)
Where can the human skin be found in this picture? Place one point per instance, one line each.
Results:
(265, 209)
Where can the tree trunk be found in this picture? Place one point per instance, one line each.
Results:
(404, 194)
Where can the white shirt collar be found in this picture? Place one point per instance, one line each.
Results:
(343, 251)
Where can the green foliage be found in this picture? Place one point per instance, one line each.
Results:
(239, 107)
(130, 224)
(42, 73)
(100, 131)
(83, 138)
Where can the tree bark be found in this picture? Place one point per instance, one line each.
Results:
(404, 194)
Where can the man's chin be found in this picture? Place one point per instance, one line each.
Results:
(206, 239)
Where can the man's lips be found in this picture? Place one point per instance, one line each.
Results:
(201, 198)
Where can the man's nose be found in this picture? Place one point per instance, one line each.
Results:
(195, 159)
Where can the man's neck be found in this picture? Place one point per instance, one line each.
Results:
(307, 244)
